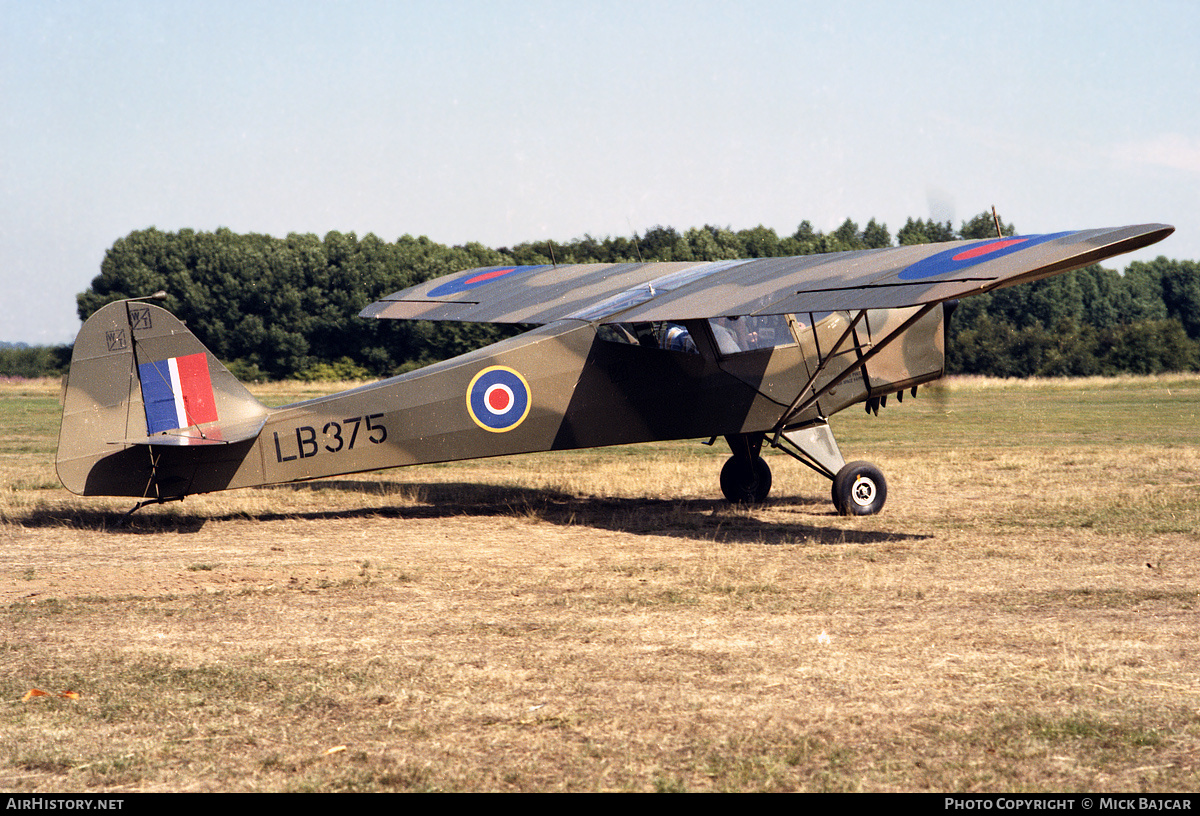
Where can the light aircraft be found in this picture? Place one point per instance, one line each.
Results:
(760, 352)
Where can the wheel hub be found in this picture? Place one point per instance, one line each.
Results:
(863, 491)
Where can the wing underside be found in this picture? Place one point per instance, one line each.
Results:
(868, 279)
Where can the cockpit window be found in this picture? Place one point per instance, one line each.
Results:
(617, 333)
(735, 335)
(675, 337)
(658, 335)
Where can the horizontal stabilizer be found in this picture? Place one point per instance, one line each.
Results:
(217, 434)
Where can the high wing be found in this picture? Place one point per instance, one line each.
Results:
(867, 279)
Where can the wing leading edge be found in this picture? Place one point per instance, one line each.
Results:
(868, 279)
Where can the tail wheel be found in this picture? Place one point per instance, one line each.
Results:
(746, 480)
(859, 489)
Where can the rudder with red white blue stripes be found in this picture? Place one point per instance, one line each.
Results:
(177, 392)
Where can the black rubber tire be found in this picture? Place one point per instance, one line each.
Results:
(746, 481)
(859, 489)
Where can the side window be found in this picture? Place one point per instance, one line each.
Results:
(617, 333)
(674, 337)
(664, 335)
(735, 335)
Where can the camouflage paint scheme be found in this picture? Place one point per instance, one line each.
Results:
(759, 352)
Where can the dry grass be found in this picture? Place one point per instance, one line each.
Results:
(1022, 616)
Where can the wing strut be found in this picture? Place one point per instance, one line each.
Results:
(800, 404)
(792, 409)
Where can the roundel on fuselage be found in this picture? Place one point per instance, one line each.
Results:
(498, 399)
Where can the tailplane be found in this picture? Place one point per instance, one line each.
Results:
(145, 403)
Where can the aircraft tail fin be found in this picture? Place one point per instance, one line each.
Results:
(140, 384)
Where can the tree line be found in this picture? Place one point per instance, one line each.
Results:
(274, 308)
(23, 361)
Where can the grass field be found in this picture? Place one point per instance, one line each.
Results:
(1023, 616)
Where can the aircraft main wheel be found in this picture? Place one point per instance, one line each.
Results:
(746, 481)
(859, 489)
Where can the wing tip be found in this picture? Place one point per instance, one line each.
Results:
(1130, 239)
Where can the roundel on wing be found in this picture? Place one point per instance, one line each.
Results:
(498, 399)
(478, 277)
(957, 259)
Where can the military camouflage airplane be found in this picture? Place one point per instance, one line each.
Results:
(760, 352)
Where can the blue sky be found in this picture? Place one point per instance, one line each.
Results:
(504, 122)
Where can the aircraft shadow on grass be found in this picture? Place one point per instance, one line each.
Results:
(705, 519)
(697, 519)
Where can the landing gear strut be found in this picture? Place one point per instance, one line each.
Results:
(859, 488)
(746, 477)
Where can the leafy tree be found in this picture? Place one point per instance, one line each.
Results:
(984, 226)
(709, 243)
(29, 362)
(1150, 347)
(876, 235)
(1181, 293)
(924, 232)
(846, 237)
(760, 242)
(664, 244)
